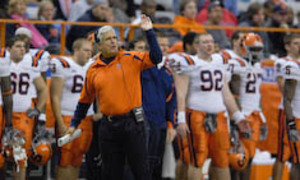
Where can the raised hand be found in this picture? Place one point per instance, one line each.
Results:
(146, 23)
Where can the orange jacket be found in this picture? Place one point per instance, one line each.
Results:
(180, 20)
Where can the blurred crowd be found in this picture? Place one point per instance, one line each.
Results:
(271, 13)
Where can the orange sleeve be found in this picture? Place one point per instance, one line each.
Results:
(88, 91)
(143, 58)
(176, 47)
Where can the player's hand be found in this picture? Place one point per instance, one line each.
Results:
(62, 130)
(182, 129)
(234, 134)
(70, 131)
(33, 112)
(97, 117)
(294, 135)
(171, 133)
(245, 129)
(263, 132)
(293, 131)
(146, 23)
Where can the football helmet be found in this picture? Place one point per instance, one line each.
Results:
(238, 157)
(41, 150)
(11, 138)
(252, 46)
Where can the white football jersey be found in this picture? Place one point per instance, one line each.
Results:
(279, 70)
(206, 81)
(4, 67)
(292, 71)
(251, 78)
(22, 78)
(74, 76)
(4, 63)
(39, 59)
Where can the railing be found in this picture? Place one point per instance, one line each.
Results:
(122, 27)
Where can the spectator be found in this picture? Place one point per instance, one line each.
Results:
(17, 10)
(269, 5)
(3, 9)
(3, 4)
(126, 6)
(188, 9)
(98, 13)
(229, 19)
(63, 8)
(79, 8)
(50, 31)
(278, 20)
(298, 20)
(148, 7)
(290, 16)
(255, 17)
(231, 5)
(215, 15)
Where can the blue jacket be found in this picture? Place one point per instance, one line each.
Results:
(158, 96)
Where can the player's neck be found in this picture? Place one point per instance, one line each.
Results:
(16, 61)
(293, 56)
(238, 52)
(205, 57)
(76, 60)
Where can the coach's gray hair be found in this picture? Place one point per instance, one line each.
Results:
(102, 31)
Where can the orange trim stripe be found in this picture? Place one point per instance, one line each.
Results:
(241, 62)
(64, 62)
(39, 54)
(170, 95)
(294, 60)
(34, 62)
(2, 54)
(226, 56)
(190, 60)
(187, 59)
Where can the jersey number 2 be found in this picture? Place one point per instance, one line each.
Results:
(250, 86)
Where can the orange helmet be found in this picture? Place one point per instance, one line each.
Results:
(252, 44)
(42, 150)
(238, 157)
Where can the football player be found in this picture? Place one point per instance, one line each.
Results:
(68, 75)
(245, 84)
(24, 76)
(203, 97)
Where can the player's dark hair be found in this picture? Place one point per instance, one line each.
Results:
(10, 42)
(289, 38)
(189, 39)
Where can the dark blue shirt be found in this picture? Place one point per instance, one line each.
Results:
(158, 96)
